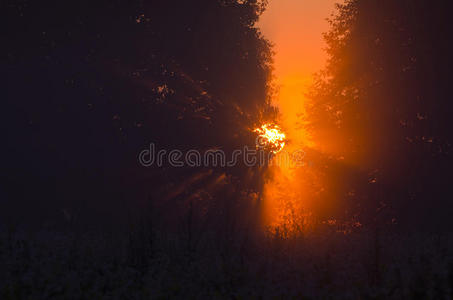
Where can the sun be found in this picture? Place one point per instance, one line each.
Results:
(270, 136)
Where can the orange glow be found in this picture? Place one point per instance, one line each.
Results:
(295, 28)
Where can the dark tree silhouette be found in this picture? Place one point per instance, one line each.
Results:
(383, 102)
(91, 84)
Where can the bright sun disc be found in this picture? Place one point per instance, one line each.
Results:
(271, 136)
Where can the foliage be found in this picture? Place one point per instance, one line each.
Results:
(382, 103)
(91, 84)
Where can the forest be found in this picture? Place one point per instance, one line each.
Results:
(92, 87)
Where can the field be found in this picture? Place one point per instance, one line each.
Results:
(145, 263)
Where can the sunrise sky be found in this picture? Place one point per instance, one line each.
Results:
(295, 28)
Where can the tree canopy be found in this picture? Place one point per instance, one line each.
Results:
(91, 84)
(383, 101)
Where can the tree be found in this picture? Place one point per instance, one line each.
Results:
(90, 85)
(382, 101)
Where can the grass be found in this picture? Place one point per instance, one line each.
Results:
(145, 263)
